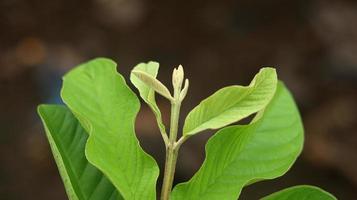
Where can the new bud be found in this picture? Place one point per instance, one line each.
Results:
(184, 90)
(177, 78)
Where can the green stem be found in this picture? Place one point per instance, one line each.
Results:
(170, 165)
(175, 113)
(171, 152)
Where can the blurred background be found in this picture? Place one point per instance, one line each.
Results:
(312, 43)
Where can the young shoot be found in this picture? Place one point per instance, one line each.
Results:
(94, 144)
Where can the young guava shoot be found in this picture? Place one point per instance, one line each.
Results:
(93, 140)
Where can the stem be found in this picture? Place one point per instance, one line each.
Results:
(171, 151)
(175, 113)
(170, 165)
(173, 147)
(181, 141)
(163, 132)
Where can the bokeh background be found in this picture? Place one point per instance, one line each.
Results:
(312, 43)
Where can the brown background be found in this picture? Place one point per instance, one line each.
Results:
(312, 43)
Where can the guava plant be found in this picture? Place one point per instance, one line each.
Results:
(99, 156)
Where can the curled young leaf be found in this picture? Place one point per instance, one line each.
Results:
(153, 83)
(184, 90)
(147, 93)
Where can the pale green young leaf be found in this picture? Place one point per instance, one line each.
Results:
(243, 154)
(231, 104)
(147, 93)
(67, 140)
(301, 192)
(184, 90)
(153, 83)
(106, 107)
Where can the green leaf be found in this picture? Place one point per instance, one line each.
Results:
(153, 83)
(231, 104)
(106, 107)
(147, 93)
(243, 154)
(300, 192)
(184, 90)
(67, 140)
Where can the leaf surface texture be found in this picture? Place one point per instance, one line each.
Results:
(232, 103)
(106, 107)
(301, 192)
(67, 140)
(243, 154)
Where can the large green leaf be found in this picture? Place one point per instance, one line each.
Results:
(67, 140)
(243, 154)
(147, 93)
(231, 104)
(301, 192)
(106, 107)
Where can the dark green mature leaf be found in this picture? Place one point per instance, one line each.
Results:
(148, 93)
(67, 140)
(106, 107)
(231, 104)
(301, 192)
(242, 154)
